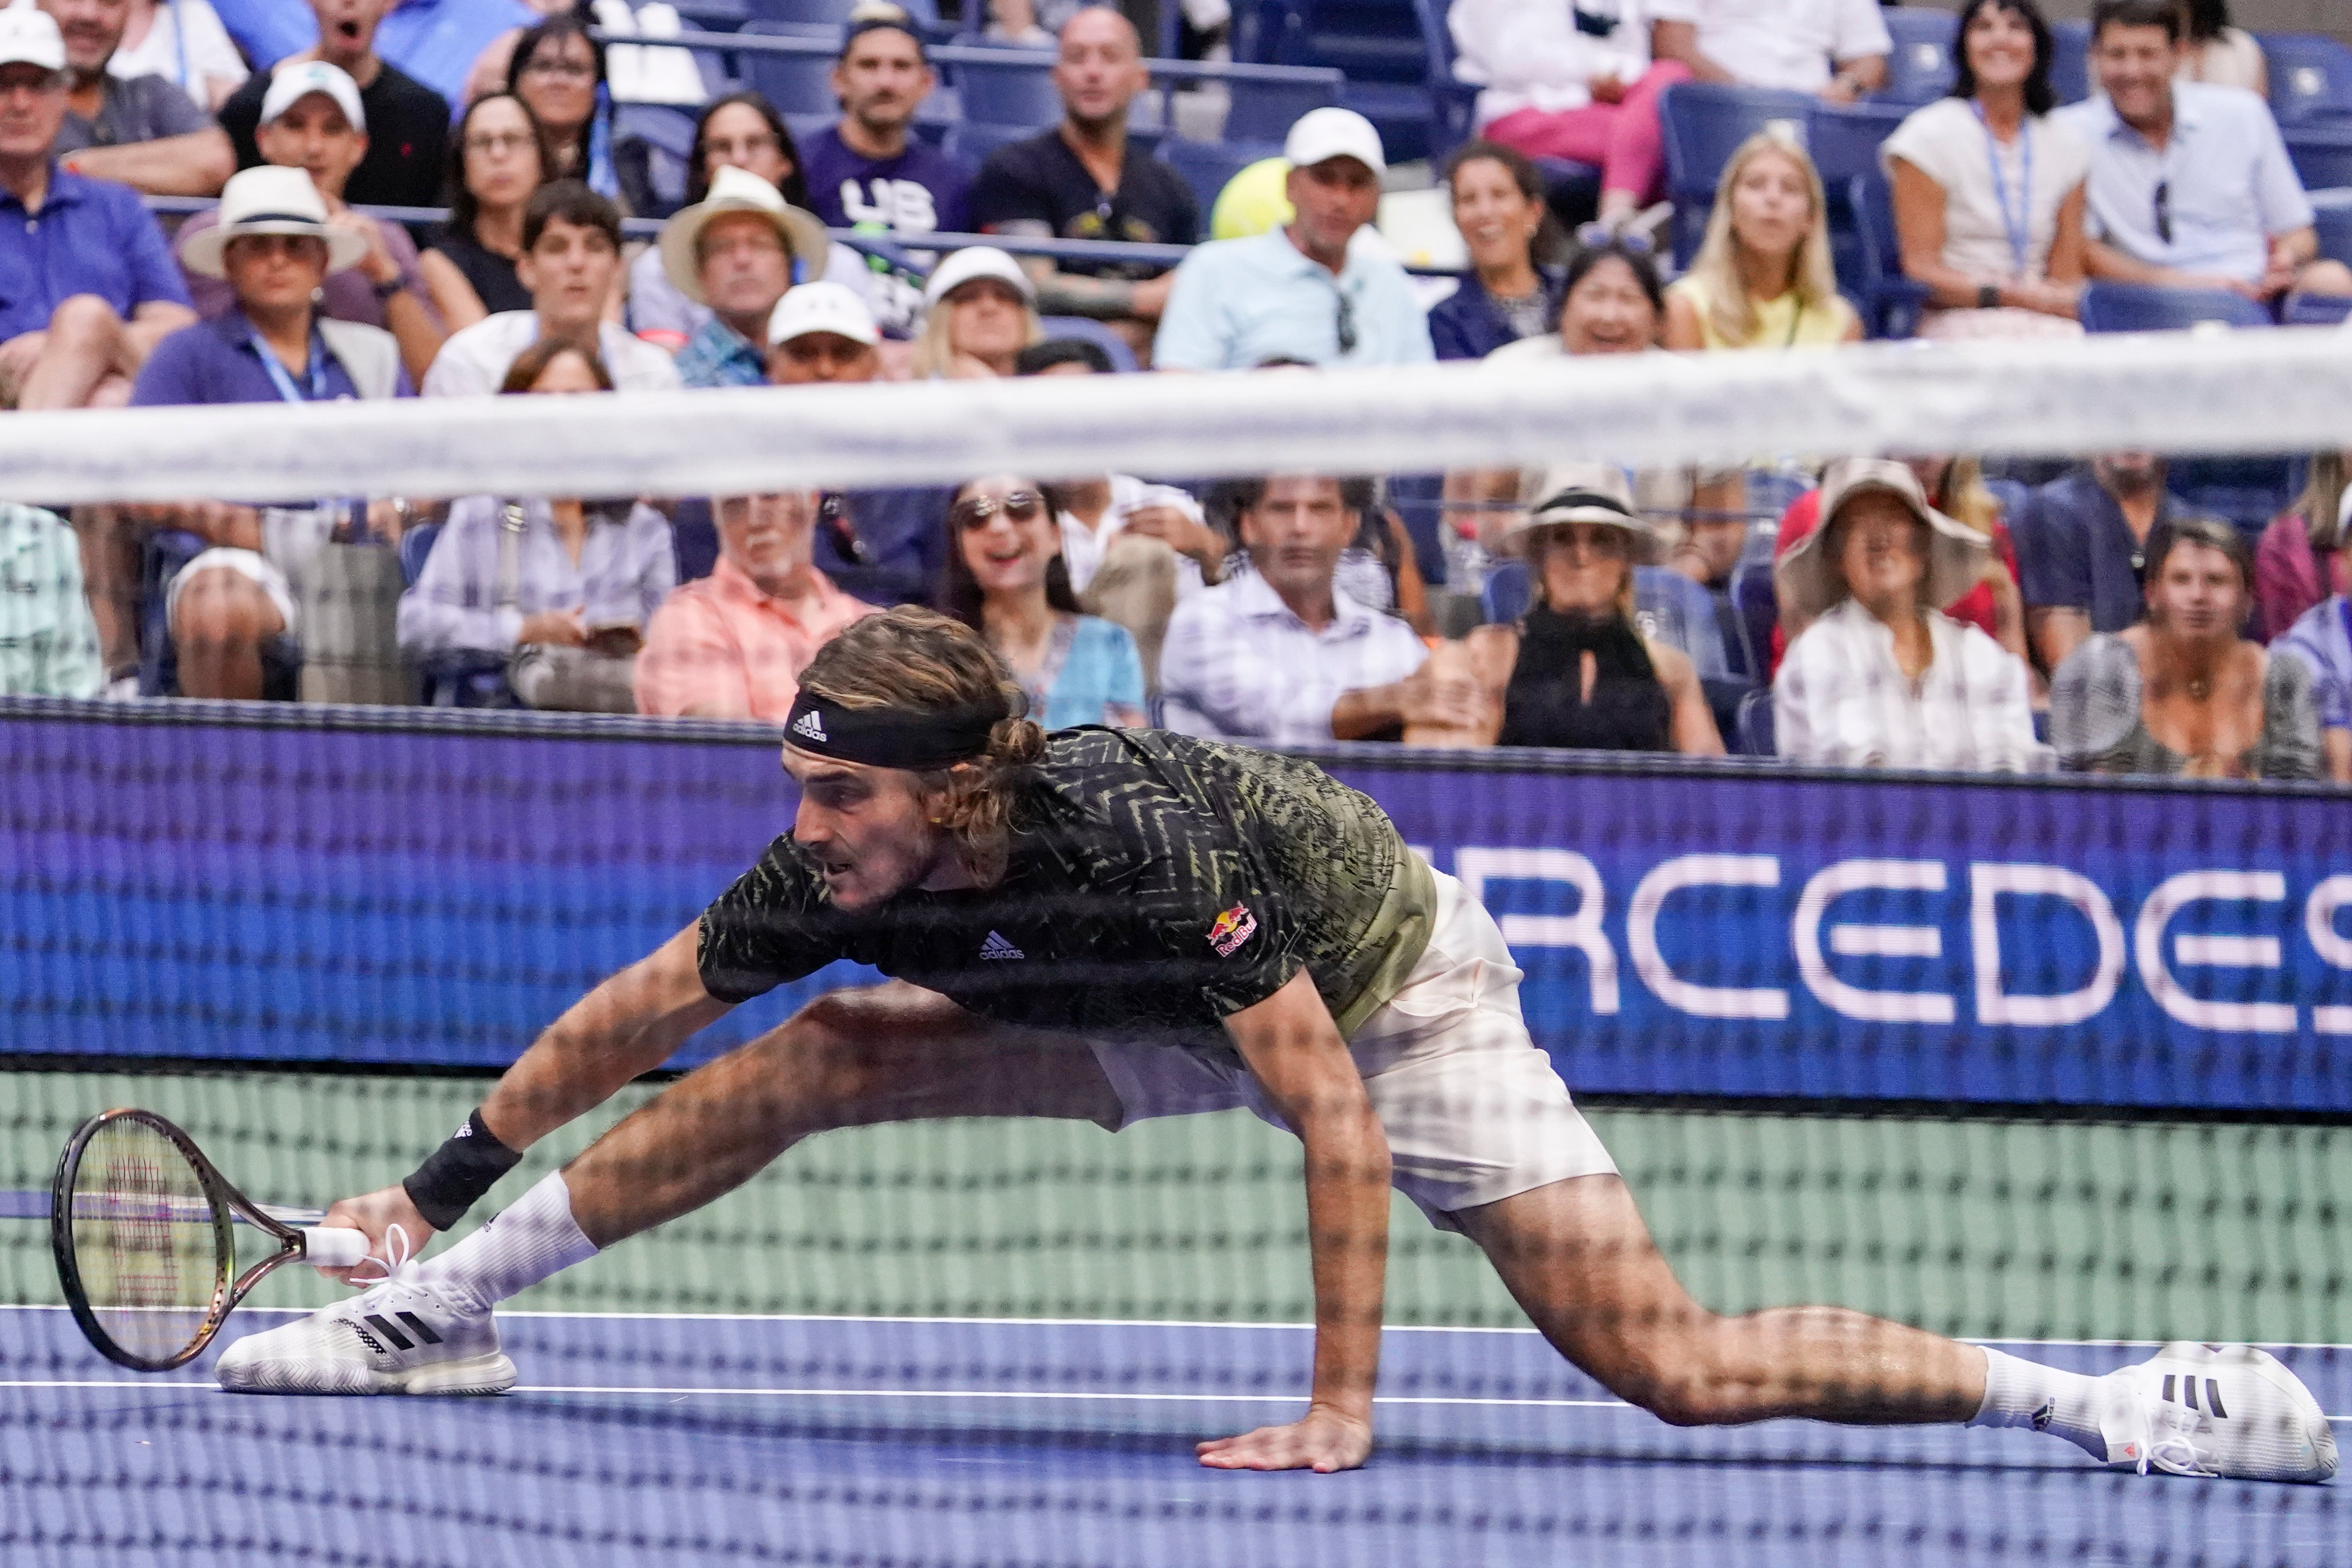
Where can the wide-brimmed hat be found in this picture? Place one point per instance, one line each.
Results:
(269, 200)
(734, 190)
(977, 261)
(1809, 584)
(1583, 493)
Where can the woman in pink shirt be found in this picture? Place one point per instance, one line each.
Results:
(733, 646)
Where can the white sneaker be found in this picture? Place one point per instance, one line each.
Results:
(400, 1336)
(2233, 1412)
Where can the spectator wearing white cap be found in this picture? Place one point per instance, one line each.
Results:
(735, 251)
(1881, 678)
(408, 122)
(274, 248)
(87, 284)
(822, 331)
(1311, 293)
(982, 312)
(312, 119)
(141, 131)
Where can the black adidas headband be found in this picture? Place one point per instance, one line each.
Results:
(909, 738)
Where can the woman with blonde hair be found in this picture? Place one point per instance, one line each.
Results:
(983, 311)
(1762, 278)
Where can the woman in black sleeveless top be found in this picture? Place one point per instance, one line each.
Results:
(497, 158)
(1576, 671)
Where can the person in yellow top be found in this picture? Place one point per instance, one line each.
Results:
(1762, 278)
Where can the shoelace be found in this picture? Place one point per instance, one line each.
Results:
(2168, 1440)
(399, 1262)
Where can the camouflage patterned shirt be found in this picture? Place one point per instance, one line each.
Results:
(1156, 884)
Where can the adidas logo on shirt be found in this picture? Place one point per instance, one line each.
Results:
(809, 726)
(996, 946)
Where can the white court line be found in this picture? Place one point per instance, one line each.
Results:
(1151, 1323)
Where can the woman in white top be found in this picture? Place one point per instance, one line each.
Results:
(1988, 188)
(1881, 678)
(2220, 55)
(181, 40)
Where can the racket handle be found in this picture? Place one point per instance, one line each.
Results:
(334, 1247)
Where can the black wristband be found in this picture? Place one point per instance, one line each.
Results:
(458, 1174)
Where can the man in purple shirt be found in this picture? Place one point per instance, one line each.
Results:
(866, 171)
(88, 286)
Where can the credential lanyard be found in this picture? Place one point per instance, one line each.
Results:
(2017, 224)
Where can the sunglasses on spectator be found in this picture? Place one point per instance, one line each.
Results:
(1594, 236)
(1021, 506)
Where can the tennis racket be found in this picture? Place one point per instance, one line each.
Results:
(142, 1227)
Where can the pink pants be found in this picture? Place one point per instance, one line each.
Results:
(1622, 137)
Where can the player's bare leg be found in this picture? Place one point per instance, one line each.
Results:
(1576, 1256)
(853, 1059)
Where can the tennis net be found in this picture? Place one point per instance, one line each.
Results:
(2051, 1063)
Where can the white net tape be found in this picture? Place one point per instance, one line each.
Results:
(2280, 391)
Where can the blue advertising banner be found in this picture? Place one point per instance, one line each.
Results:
(401, 887)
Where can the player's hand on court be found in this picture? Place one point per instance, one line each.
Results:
(376, 1214)
(1326, 1440)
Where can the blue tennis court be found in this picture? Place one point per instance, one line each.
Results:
(901, 1441)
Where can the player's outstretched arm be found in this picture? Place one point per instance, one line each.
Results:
(625, 1027)
(1297, 1056)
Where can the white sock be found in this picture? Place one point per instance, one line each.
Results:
(514, 1250)
(2027, 1393)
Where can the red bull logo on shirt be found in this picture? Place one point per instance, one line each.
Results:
(1233, 928)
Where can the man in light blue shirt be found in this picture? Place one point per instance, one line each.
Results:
(1315, 291)
(2190, 185)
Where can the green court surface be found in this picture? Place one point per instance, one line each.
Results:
(1980, 1228)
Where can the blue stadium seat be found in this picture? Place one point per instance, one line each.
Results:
(2069, 60)
(795, 84)
(2311, 78)
(1377, 44)
(1122, 357)
(1759, 610)
(1208, 166)
(1503, 597)
(2318, 310)
(1017, 89)
(1890, 302)
(2139, 308)
(1752, 736)
(1921, 68)
(2322, 152)
(1703, 124)
(415, 546)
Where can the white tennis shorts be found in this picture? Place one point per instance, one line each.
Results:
(1474, 1111)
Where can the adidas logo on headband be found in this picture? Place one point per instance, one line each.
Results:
(809, 727)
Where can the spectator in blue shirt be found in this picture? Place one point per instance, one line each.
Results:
(274, 246)
(1319, 290)
(1501, 213)
(2190, 185)
(88, 286)
(2081, 550)
(735, 251)
(1007, 581)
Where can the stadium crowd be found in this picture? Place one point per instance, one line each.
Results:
(1934, 611)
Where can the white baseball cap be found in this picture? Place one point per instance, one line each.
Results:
(269, 199)
(29, 35)
(977, 261)
(822, 307)
(1322, 133)
(734, 190)
(294, 83)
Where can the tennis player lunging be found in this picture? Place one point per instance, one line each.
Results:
(1111, 925)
